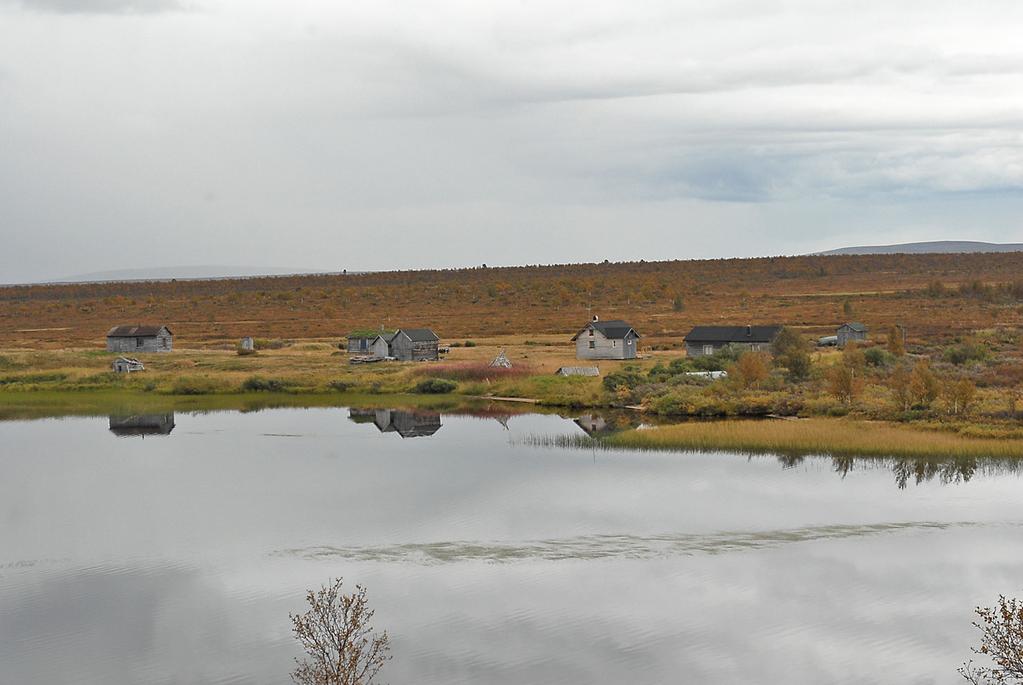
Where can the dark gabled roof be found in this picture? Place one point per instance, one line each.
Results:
(368, 333)
(856, 326)
(419, 334)
(733, 334)
(135, 331)
(614, 329)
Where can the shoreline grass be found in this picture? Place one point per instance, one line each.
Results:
(826, 437)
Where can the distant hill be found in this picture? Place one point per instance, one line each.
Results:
(182, 272)
(935, 247)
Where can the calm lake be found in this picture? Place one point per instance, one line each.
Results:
(171, 548)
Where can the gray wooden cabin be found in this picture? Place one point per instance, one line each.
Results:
(613, 339)
(707, 340)
(851, 332)
(408, 345)
(140, 339)
(361, 341)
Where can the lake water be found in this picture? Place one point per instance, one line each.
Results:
(171, 549)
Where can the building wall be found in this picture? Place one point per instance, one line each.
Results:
(406, 350)
(699, 349)
(379, 348)
(602, 347)
(360, 345)
(845, 334)
(164, 342)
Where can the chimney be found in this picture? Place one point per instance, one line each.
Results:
(596, 318)
(749, 331)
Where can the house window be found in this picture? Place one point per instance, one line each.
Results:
(614, 343)
(138, 342)
(593, 345)
(591, 332)
(708, 349)
(164, 342)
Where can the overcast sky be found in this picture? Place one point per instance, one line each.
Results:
(377, 135)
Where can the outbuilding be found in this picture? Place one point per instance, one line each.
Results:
(126, 365)
(612, 339)
(361, 341)
(140, 339)
(851, 332)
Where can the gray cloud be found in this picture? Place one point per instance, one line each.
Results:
(101, 6)
(328, 119)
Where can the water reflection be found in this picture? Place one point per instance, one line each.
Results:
(916, 470)
(141, 425)
(406, 423)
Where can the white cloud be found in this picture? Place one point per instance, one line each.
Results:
(331, 119)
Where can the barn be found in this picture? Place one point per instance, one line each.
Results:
(140, 339)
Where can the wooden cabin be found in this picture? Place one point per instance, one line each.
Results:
(613, 339)
(851, 332)
(361, 341)
(407, 345)
(707, 340)
(140, 339)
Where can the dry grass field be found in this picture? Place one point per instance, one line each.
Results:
(537, 303)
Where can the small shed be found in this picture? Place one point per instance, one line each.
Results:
(361, 341)
(140, 339)
(126, 365)
(577, 371)
(851, 332)
(612, 339)
(247, 343)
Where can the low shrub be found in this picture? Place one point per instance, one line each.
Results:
(966, 352)
(878, 357)
(33, 378)
(470, 343)
(270, 344)
(341, 386)
(194, 385)
(435, 386)
(258, 384)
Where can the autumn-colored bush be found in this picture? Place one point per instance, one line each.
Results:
(474, 371)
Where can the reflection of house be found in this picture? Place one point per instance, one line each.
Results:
(708, 340)
(142, 425)
(596, 425)
(593, 424)
(139, 339)
(606, 340)
(407, 424)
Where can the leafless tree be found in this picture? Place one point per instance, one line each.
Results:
(1001, 641)
(340, 645)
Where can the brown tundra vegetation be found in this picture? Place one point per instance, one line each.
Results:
(930, 295)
